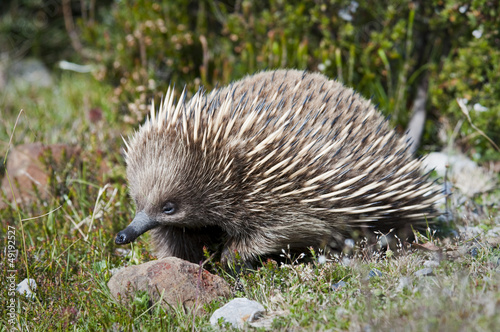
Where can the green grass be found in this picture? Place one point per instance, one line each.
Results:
(71, 265)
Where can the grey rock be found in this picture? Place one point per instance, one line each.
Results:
(470, 232)
(29, 72)
(266, 322)
(440, 161)
(404, 282)
(173, 280)
(424, 272)
(338, 285)
(463, 173)
(375, 273)
(27, 287)
(431, 264)
(494, 232)
(237, 312)
(341, 313)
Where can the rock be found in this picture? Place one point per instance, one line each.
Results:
(403, 282)
(474, 251)
(172, 279)
(349, 243)
(424, 272)
(431, 264)
(374, 273)
(237, 312)
(341, 313)
(493, 235)
(463, 173)
(27, 287)
(470, 232)
(29, 72)
(321, 259)
(338, 285)
(27, 167)
(266, 322)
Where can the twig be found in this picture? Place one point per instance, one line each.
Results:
(43, 215)
(464, 109)
(97, 208)
(206, 55)
(70, 26)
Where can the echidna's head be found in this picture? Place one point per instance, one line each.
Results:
(173, 183)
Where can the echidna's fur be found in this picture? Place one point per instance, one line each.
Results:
(279, 159)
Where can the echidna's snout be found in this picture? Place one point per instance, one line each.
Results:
(141, 224)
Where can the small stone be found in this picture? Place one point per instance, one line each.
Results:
(266, 322)
(173, 280)
(349, 243)
(237, 312)
(404, 282)
(375, 273)
(431, 264)
(495, 260)
(338, 285)
(341, 313)
(346, 261)
(424, 272)
(27, 287)
(463, 173)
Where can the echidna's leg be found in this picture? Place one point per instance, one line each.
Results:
(187, 244)
(244, 250)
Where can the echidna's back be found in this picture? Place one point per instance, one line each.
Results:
(308, 107)
(314, 141)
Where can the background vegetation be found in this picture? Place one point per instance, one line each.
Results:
(387, 50)
(383, 49)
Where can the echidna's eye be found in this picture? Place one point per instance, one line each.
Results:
(169, 208)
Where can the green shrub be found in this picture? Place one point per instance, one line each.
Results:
(383, 49)
(36, 27)
(470, 71)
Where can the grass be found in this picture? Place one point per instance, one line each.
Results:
(70, 252)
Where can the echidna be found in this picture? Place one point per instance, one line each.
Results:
(280, 159)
